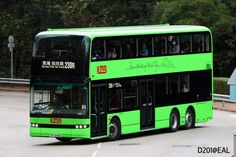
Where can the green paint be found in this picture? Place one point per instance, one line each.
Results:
(130, 121)
(49, 132)
(151, 65)
(65, 121)
(203, 112)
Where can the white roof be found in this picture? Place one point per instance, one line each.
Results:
(125, 30)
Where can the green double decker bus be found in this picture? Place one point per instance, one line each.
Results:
(109, 81)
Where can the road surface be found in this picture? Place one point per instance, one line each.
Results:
(16, 142)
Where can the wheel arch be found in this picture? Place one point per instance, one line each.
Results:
(116, 117)
(176, 109)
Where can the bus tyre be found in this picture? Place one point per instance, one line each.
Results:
(114, 129)
(189, 119)
(174, 121)
(64, 139)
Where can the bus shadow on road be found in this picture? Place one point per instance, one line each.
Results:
(154, 133)
(122, 138)
(74, 142)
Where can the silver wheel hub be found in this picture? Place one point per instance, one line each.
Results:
(188, 119)
(113, 130)
(174, 122)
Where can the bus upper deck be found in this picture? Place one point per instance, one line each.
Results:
(147, 49)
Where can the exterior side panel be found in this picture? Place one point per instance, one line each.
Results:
(151, 65)
(130, 121)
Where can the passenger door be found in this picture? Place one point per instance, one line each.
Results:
(98, 110)
(147, 108)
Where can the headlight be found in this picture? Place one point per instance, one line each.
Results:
(81, 126)
(34, 125)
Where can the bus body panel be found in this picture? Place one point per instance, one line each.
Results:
(130, 121)
(64, 121)
(147, 66)
(203, 113)
(60, 130)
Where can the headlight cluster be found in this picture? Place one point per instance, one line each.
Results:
(81, 126)
(34, 125)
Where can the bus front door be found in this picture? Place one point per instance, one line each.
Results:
(147, 108)
(98, 111)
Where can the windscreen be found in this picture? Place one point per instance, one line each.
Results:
(59, 99)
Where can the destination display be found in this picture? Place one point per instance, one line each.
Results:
(57, 68)
(58, 65)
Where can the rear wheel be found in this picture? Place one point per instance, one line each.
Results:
(174, 121)
(114, 129)
(189, 119)
(64, 139)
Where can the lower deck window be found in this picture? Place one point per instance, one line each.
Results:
(115, 96)
(130, 94)
(168, 89)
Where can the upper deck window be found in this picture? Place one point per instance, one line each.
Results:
(173, 44)
(145, 46)
(201, 42)
(98, 50)
(124, 47)
(185, 43)
(114, 48)
(160, 45)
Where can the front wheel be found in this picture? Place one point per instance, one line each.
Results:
(64, 139)
(114, 129)
(174, 121)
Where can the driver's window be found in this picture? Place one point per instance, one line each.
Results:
(41, 96)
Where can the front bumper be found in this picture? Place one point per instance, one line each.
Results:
(68, 127)
(60, 132)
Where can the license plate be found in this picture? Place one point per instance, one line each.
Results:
(55, 135)
(55, 120)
